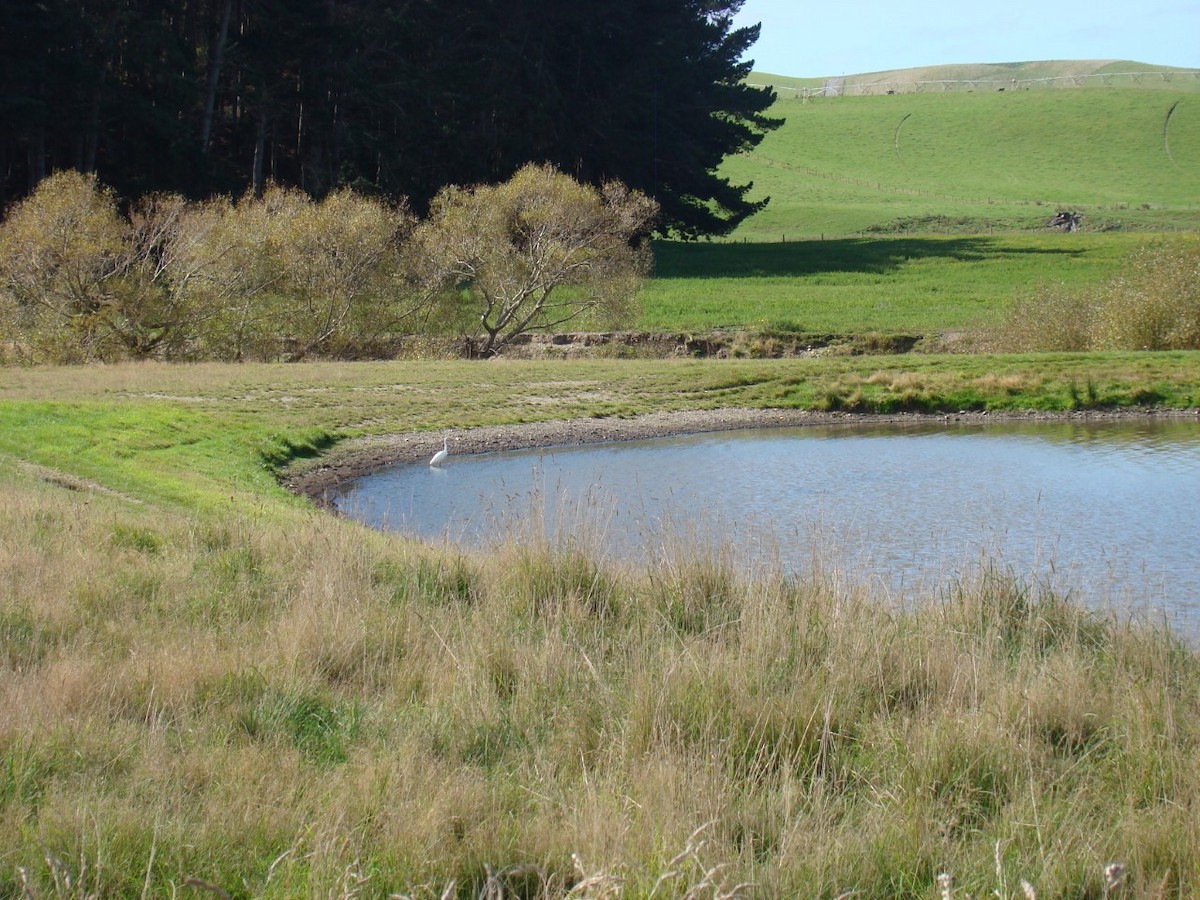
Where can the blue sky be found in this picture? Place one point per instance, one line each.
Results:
(811, 38)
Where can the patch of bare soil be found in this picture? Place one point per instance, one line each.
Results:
(71, 482)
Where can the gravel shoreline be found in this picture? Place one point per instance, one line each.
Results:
(316, 479)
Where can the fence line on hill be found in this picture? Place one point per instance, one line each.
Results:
(839, 87)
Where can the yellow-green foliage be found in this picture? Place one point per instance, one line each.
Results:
(538, 251)
(80, 282)
(59, 251)
(1152, 304)
(287, 277)
(277, 277)
(1155, 303)
(284, 277)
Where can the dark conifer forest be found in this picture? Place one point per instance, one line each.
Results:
(392, 97)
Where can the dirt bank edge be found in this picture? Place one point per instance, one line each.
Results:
(317, 479)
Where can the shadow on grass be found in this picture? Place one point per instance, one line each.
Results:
(676, 259)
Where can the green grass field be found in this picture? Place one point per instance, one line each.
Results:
(924, 213)
(920, 213)
(1055, 74)
(919, 285)
(975, 162)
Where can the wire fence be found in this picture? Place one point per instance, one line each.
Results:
(849, 87)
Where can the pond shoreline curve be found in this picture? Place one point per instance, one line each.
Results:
(316, 479)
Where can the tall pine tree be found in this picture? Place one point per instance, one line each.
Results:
(398, 97)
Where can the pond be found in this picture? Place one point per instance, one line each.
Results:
(1108, 510)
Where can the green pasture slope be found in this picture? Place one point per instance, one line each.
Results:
(970, 77)
(996, 159)
(923, 212)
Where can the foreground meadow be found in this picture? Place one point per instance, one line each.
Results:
(209, 687)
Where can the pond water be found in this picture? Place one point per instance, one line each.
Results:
(1109, 510)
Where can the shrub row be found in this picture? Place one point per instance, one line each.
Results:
(283, 277)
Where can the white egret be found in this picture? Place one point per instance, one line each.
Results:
(440, 456)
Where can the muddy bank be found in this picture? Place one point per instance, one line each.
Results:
(753, 344)
(316, 478)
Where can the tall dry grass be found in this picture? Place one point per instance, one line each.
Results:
(1152, 304)
(316, 709)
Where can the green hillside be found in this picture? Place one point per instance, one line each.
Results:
(978, 161)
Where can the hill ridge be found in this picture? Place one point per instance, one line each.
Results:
(982, 76)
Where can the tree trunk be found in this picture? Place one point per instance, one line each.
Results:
(260, 152)
(37, 156)
(91, 136)
(214, 78)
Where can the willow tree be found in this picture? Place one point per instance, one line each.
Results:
(287, 277)
(534, 253)
(79, 281)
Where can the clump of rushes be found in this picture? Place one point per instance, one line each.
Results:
(274, 706)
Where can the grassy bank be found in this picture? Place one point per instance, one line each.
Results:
(211, 438)
(204, 683)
